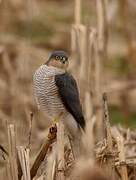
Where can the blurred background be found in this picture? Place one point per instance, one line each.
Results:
(30, 29)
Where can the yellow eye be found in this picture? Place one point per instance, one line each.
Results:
(57, 57)
(63, 58)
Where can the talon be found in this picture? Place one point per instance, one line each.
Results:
(53, 129)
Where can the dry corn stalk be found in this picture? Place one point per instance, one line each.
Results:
(77, 11)
(60, 150)
(98, 91)
(90, 76)
(12, 152)
(43, 152)
(122, 160)
(110, 160)
(79, 37)
(102, 26)
(51, 167)
(100, 55)
(107, 124)
(23, 154)
(88, 106)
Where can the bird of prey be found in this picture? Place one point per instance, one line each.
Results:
(57, 93)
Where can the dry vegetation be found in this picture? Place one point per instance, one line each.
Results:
(103, 60)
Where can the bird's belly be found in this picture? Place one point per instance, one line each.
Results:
(51, 104)
(48, 98)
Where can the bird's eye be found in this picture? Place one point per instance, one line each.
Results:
(57, 58)
(61, 58)
(64, 59)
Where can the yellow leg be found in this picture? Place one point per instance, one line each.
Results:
(56, 119)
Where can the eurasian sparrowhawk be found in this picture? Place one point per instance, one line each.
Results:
(56, 91)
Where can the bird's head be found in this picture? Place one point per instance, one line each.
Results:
(58, 59)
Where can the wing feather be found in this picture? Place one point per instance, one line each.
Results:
(68, 91)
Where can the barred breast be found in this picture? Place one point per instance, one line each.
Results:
(46, 92)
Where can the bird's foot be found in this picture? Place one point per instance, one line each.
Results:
(52, 132)
(53, 127)
(57, 119)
